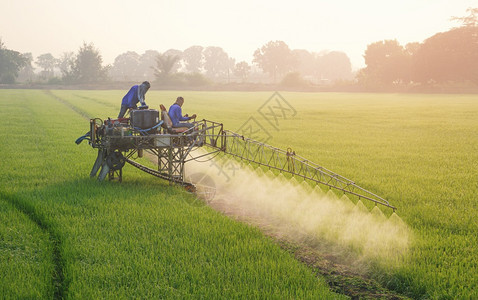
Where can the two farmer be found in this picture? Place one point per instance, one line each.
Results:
(137, 94)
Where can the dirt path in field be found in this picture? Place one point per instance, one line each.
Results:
(340, 277)
(342, 274)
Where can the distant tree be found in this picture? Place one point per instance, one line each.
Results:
(87, 66)
(448, 56)
(193, 59)
(412, 48)
(47, 62)
(147, 63)
(294, 80)
(10, 63)
(305, 62)
(334, 65)
(387, 63)
(468, 21)
(27, 72)
(164, 66)
(231, 66)
(330, 66)
(216, 62)
(242, 70)
(65, 64)
(195, 79)
(274, 58)
(124, 66)
(179, 55)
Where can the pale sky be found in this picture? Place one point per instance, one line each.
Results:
(239, 27)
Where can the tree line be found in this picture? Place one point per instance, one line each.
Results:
(444, 58)
(195, 65)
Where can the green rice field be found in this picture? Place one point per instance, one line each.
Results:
(64, 235)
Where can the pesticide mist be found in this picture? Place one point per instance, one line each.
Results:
(301, 213)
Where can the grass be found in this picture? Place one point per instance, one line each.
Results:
(141, 238)
(25, 255)
(420, 152)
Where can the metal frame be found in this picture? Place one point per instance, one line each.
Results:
(172, 151)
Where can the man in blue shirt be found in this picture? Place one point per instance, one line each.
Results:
(134, 95)
(175, 113)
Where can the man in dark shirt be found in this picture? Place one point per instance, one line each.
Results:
(135, 94)
(175, 113)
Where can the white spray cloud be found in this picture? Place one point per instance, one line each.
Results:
(300, 213)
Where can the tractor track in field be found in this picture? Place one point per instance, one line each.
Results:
(96, 100)
(76, 109)
(60, 286)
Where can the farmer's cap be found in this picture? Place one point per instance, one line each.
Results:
(146, 84)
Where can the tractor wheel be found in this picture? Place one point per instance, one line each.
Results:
(115, 161)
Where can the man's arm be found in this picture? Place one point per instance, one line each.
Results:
(181, 117)
(141, 96)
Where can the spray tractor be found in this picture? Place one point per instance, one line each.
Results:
(124, 140)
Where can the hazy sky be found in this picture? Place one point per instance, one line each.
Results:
(239, 27)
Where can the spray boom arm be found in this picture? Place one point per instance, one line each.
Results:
(289, 162)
